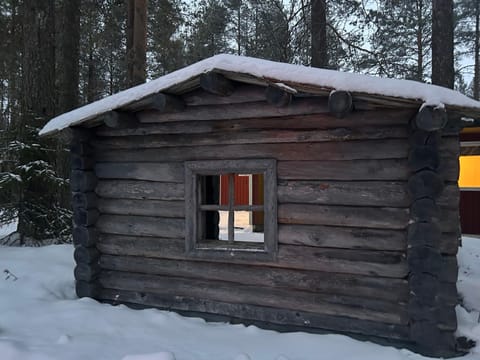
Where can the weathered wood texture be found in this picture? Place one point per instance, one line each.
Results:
(285, 318)
(362, 262)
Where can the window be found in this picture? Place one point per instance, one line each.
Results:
(231, 208)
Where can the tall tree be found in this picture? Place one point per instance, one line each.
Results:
(442, 43)
(319, 33)
(136, 41)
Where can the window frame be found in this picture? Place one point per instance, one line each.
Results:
(223, 249)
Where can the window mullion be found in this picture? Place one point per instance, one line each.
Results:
(231, 204)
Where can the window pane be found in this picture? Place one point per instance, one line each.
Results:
(249, 226)
(208, 225)
(209, 189)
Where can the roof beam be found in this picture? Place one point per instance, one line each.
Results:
(216, 83)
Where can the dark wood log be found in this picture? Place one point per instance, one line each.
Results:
(262, 109)
(81, 148)
(449, 220)
(336, 305)
(87, 272)
(395, 290)
(340, 103)
(141, 226)
(119, 120)
(243, 93)
(217, 84)
(424, 210)
(450, 196)
(423, 259)
(129, 189)
(369, 217)
(341, 237)
(423, 288)
(443, 315)
(423, 234)
(84, 236)
(79, 134)
(265, 315)
(425, 138)
(84, 200)
(423, 157)
(85, 217)
(425, 183)
(251, 137)
(360, 262)
(449, 270)
(364, 193)
(431, 118)
(346, 150)
(87, 289)
(448, 294)
(82, 181)
(432, 341)
(278, 96)
(144, 207)
(381, 118)
(163, 172)
(164, 103)
(84, 255)
(78, 162)
(449, 243)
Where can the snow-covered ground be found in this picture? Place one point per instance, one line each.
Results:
(41, 319)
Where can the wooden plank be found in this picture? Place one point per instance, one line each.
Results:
(361, 262)
(336, 305)
(347, 150)
(130, 189)
(251, 137)
(164, 172)
(395, 290)
(342, 237)
(377, 169)
(357, 193)
(358, 216)
(141, 226)
(259, 315)
(380, 118)
(143, 207)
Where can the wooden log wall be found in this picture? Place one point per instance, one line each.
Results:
(432, 319)
(83, 181)
(344, 205)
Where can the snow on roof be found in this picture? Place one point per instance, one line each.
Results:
(273, 71)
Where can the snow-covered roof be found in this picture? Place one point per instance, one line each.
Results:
(270, 72)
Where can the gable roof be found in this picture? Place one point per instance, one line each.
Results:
(264, 72)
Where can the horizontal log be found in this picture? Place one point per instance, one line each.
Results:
(431, 118)
(378, 169)
(336, 305)
(84, 200)
(423, 288)
(252, 137)
(260, 315)
(141, 226)
(84, 255)
(119, 119)
(82, 181)
(421, 234)
(86, 272)
(395, 290)
(449, 243)
(128, 189)
(163, 172)
(431, 341)
(425, 138)
(364, 193)
(342, 237)
(368, 217)
(423, 157)
(243, 93)
(87, 289)
(85, 217)
(381, 118)
(159, 102)
(424, 210)
(84, 236)
(216, 83)
(348, 150)
(144, 207)
(425, 183)
(360, 262)
(78, 162)
(277, 96)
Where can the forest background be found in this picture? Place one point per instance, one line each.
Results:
(56, 55)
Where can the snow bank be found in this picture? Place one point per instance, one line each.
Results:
(274, 72)
(41, 319)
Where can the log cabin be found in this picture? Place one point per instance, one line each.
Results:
(356, 199)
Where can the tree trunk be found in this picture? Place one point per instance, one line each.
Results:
(319, 33)
(136, 41)
(442, 43)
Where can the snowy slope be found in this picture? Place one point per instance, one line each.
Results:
(41, 319)
(272, 72)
